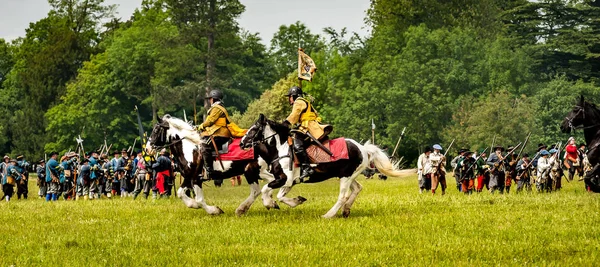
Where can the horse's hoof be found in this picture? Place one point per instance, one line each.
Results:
(275, 205)
(219, 211)
(301, 199)
(240, 212)
(346, 213)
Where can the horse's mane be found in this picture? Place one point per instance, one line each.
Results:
(278, 127)
(189, 131)
(594, 108)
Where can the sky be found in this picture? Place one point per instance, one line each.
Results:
(262, 16)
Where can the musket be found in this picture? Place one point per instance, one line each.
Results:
(524, 145)
(527, 166)
(448, 149)
(506, 155)
(398, 143)
(133, 147)
(474, 163)
(492, 147)
(439, 166)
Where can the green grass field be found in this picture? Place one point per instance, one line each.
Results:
(390, 224)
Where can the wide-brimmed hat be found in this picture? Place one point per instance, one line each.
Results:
(462, 150)
(467, 153)
(541, 146)
(544, 152)
(552, 151)
(116, 152)
(20, 157)
(13, 160)
(53, 153)
(525, 155)
(71, 154)
(499, 147)
(6, 157)
(42, 161)
(437, 146)
(427, 149)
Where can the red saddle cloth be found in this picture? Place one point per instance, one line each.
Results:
(236, 152)
(337, 146)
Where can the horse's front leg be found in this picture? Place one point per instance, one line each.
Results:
(287, 187)
(212, 210)
(251, 174)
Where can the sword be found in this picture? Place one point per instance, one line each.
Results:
(212, 139)
(319, 144)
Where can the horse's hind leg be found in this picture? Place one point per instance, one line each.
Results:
(342, 197)
(356, 188)
(251, 175)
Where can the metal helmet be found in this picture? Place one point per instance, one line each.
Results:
(215, 94)
(295, 91)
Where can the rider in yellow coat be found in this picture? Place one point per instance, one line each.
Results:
(214, 126)
(304, 114)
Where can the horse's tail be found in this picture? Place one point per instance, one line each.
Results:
(381, 161)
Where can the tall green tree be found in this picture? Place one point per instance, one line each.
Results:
(285, 44)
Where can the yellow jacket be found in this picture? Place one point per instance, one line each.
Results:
(216, 122)
(305, 114)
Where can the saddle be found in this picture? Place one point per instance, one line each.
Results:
(224, 149)
(316, 155)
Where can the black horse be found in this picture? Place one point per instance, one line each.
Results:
(586, 116)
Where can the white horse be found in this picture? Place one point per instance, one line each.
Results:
(184, 143)
(359, 157)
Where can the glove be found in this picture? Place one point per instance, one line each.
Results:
(201, 127)
(287, 123)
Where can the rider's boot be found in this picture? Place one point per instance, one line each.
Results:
(208, 165)
(306, 169)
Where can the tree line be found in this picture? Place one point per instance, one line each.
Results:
(457, 69)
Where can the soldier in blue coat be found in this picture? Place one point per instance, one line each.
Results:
(95, 167)
(118, 171)
(22, 185)
(84, 179)
(69, 165)
(53, 171)
(8, 180)
(41, 181)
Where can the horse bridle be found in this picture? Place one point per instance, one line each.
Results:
(261, 141)
(163, 135)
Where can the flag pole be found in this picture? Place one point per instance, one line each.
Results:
(372, 131)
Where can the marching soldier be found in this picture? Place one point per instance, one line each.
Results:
(496, 163)
(523, 171)
(438, 163)
(467, 167)
(556, 172)
(23, 178)
(140, 176)
(483, 174)
(9, 181)
(41, 181)
(84, 180)
(456, 170)
(163, 171)
(3, 172)
(309, 129)
(572, 161)
(105, 184)
(510, 170)
(115, 165)
(543, 170)
(424, 170)
(94, 163)
(68, 163)
(214, 130)
(53, 171)
(126, 167)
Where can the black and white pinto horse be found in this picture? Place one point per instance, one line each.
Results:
(184, 143)
(275, 135)
(586, 116)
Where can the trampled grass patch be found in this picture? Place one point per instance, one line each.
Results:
(390, 224)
